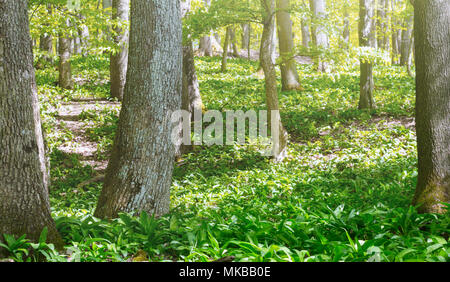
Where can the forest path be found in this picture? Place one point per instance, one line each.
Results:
(69, 118)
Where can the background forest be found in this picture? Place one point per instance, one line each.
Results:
(342, 185)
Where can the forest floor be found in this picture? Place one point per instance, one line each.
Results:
(70, 117)
(343, 193)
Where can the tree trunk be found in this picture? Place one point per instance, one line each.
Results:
(306, 35)
(405, 52)
(318, 9)
(139, 174)
(24, 204)
(46, 45)
(191, 101)
(289, 74)
(432, 42)
(381, 24)
(46, 41)
(205, 46)
(65, 69)
(280, 141)
(107, 5)
(346, 30)
(246, 36)
(226, 45)
(396, 33)
(366, 23)
(119, 60)
(234, 44)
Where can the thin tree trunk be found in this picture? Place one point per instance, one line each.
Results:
(205, 46)
(405, 52)
(65, 69)
(139, 174)
(226, 45)
(280, 141)
(396, 33)
(306, 35)
(346, 30)
(289, 75)
(381, 23)
(234, 44)
(432, 41)
(318, 9)
(119, 60)
(46, 41)
(366, 23)
(191, 101)
(24, 204)
(107, 5)
(246, 36)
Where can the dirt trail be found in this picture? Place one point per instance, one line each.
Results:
(69, 119)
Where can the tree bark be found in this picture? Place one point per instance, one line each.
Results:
(205, 45)
(107, 5)
(191, 100)
(396, 33)
(432, 42)
(139, 174)
(320, 38)
(381, 24)
(226, 45)
(24, 199)
(234, 44)
(46, 41)
(280, 143)
(246, 31)
(346, 30)
(65, 69)
(405, 52)
(289, 75)
(119, 60)
(366, 23)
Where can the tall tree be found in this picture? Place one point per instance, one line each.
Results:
(205, 45)
(289, 75)
(119, 60)
(280, 141)
(320, 36)
(405, 47)
(306, 34)
(246, 37)
(24, 204)
(432, 42)
(366, 22)
(65, 68)
(226, 45)
(346, 29)
(46, 40)
(139, 174)
(191, 100)
(396, 31)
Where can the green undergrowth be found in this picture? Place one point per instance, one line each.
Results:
(343, 193)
